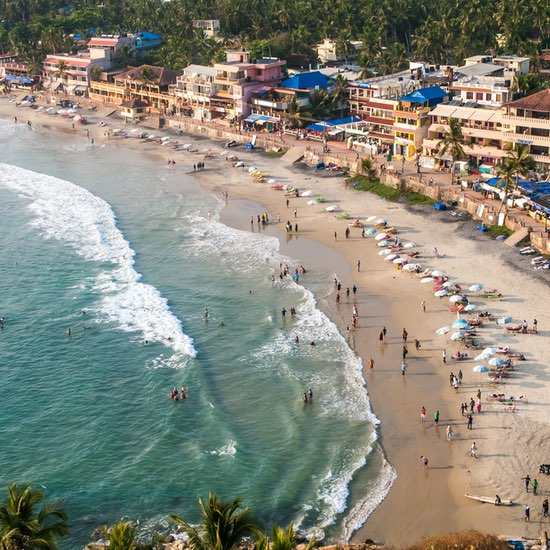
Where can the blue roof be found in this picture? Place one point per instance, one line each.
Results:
(328, 124)
(306, 81)
(424, 95)
(148, 35)
(345, 120)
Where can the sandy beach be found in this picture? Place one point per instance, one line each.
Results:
(510, 444)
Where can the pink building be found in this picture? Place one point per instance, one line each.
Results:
(238, 78)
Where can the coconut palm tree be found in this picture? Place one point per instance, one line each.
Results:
(121, 536)
(295, 114)
(506, 173)
(23, 527)
(451, 144)
(340, 93)
(319, 104)
(223, 525)
(62, 71)
(520, 160)
(281, 539)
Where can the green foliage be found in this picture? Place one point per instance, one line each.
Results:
(24, 526)
(419, 198)
(498, 230)
(121, 537)
(223, 525)
(361, 183)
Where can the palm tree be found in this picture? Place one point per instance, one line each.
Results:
(451, 144)
(340, 93)
(23, 527)
(62, 71)
(121, 537)
(295, 114)
(319, 104)
(520, 160)
(281, 539)
(506, 174)
(222, 526)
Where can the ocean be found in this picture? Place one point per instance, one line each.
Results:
(128, 253)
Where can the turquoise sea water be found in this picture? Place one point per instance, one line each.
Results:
(120, 249)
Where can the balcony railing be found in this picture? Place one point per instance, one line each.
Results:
(526, 138)
(527, 121)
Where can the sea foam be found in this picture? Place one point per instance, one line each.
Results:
(66, 212)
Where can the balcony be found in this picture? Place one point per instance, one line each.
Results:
(526, 138)
(277, 105)
(545, 159)
(527, 121)
(404, 126)
(230, 79)
(406, 114)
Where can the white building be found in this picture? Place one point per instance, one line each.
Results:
(327, 51)
(211, 27)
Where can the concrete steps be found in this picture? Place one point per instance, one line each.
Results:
(517, 236)
(294, 154)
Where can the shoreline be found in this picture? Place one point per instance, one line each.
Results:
(392, 299)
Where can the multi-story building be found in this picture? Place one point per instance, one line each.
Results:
(150, 84)
(194, 91)
(210, 27)
(238, 78)
(527, 121)
(328, 52)
(488, 91)
(274, 101)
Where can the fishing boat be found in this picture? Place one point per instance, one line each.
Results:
(489, 500)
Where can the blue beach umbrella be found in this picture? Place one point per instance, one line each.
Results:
(497, 362)
(480, 368)
(370, 231)
(460, 323)
(457, 336)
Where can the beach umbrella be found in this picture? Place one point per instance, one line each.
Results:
(270, 181)
(250, 170)
(457, 335)
(400, 261)
(370, 231)
(476, 288)
(409, 267)
(456, 298)
(447, 284)
(443, 330)
(384, 252)
(390, 257)
(480, 368)
(460, 323)
(382, 236)
(332, 208)
(487, 353)
(470, 307)
(371, 218)
(441, 293)
(497, 362)
(381, 221)
(383, 243)
(240, 164)
(503, 320)
(426, 280)
(311, 203)
(306, 193)
(409, 245)
(437, 273)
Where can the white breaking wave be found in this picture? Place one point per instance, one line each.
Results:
(68, 213)
(227, 450)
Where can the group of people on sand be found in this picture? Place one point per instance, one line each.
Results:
(177, 396)
(199, 166)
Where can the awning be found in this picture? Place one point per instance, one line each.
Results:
(80, 88)
(252, 118)
(335, 132)
(481, 115)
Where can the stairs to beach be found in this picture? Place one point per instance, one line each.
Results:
(294, 154)
(517, 236)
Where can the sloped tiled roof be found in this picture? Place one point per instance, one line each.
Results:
(134, 103)
(536, 102)
(160, 75)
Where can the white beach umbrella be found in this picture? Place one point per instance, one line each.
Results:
(382, 236)
(457, 336)
(381, 221)
(307, 193)
(437, 273)
(409, 245)
(476, 288)
(498, 362)
(384, 243)
(441, 293)
(371, 218)
(487, 353)
(443, 330)
(312, 202)
(240, 164)
(250, 170)
(272, 181)
(400, 261)
(384, 252)
(470, 307)
(410, 267)
(456, 298)
(447, 284)
(331, 208)
(426, 280)
(390, 257)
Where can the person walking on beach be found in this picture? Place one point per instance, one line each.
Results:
(470, 421)
(381, 337)
(460, 376)
(358, 265)
(478, 394)
(371, 364)
(463, 408)
(337, 297)
(473, 450)
(449, 434)
(527, 480)
(424, 462)
(423, 306)
(295, 213)
(527, 514)
(335, 236)
(405, 335)
(403, 368)
(436, 418)
(347, 232)
(283, 313)
(347, 292)
(287, 203)
(472, 404)
(422, 414)
(444, 355)
(545, 508)
(535, 485)
(417, 344)
(354, 290)
(384, 331)
(405, 352)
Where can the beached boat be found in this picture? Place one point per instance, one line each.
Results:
(489, 500)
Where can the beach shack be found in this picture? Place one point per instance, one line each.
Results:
(134, 110)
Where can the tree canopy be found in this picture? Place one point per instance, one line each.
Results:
(438, 31)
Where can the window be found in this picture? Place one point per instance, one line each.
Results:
(488, 97)
(469, 95)
(479, 96)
